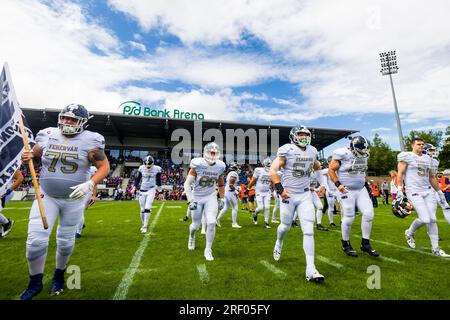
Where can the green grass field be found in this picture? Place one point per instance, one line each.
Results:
(243, 267)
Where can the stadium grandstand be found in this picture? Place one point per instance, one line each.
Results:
(130, 138)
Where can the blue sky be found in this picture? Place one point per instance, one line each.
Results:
(283, 62)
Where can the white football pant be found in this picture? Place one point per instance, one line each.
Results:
(331, 197)
(303, 205)
(276, 206)
(361, 199)
(318, 205)
(207, 206)
(263, 203)
(70, 212)
(145, 202)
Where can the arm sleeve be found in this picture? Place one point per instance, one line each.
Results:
(188, 186)
(158, 179)
(138, 178)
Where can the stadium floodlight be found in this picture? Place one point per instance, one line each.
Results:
(389, 67)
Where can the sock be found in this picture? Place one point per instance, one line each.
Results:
(234, 216)
(210, 233)
(366, 227)
(36, 266)
(142, 217)
(147, 213)
(3, 219)
(266, 215)
(433, 233)
(346, 226)
(415, 225)
(308, 248)
(61, 261)
(221, 213)
(319, 214)
(192, 230)
(282, 230)
(330, 214)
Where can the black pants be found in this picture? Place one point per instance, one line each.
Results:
(386, 196)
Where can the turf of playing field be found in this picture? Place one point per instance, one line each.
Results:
(117, 261)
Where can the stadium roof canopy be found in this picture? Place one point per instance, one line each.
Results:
(118, 128)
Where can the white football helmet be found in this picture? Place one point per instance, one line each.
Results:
(211, 153)
(76, 111)
(300, 141)
(267, 163)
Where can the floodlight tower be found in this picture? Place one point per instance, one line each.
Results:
(389, 67)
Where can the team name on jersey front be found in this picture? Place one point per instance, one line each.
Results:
(207, 176)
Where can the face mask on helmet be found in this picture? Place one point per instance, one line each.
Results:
(267, 163)
(301, 140)
(148, 162)
(73, 111)
(360, 147)
(234, 167)
(211, 153)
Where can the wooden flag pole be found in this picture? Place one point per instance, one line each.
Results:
(33, 175)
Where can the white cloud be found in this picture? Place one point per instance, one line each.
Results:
(330, 47)
(380, 129)
(137, 45)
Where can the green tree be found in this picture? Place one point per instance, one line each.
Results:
(444, 154)
(430, 136)
(382, 158)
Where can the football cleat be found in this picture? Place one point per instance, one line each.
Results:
(236, 226)
(191, 243)
(315, 277)
(366, 247)
(294, 224)
(276, 253)
(439, 252)
(34, 287)
(333, 225)
(266, 225)
(208, 255)
(57, 286)
(410, 240)
(347, 247)
(7, 227)
(77, 235)
(275, 221)
(321, 227)
(144, 230)
(255, 218)
(218, 224)
(186, 218)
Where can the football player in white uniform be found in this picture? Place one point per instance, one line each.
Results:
(348, 171)
(262, 191)
(231, 199)
(89, 200)
(430, 150)
(205, 173)
(5, 223)
(315, 192)
(415, 174)
(148, 178)
(298, 159)
(66, 153)
(330, 193)
(276, 206)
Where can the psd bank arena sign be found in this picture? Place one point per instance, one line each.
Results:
(133, 108)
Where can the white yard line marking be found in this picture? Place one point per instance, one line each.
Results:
(16, 208)
(99, 221)
(128, 220)
(173, 207)
(393, 245)
(203, 273)
(390, 259)
(127, 280)
(330, 262)
(278, 272)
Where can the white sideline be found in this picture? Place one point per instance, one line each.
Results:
(122, 288)
(331, 262)
(203, 273)
(390, 259)
(278, 272)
